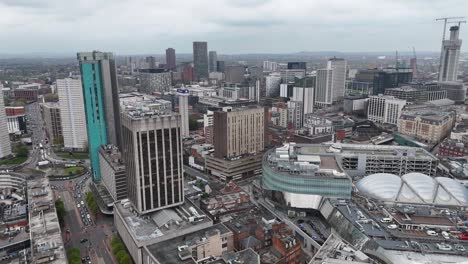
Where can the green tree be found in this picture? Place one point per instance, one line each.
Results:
(125, 259)
(58, 140)
(193, 123)
(74, 256)
(61, 212)
(51, 97)
(22, 151)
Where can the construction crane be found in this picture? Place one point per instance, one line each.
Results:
(447, 20)
(459, 22)
(415, 70)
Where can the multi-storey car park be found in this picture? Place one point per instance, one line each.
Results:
(302, 175)
(398, 203)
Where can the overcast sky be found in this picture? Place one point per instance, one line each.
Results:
(229, 26)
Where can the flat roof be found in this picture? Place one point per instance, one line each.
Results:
(45, 233)
(167, 251)
(145, 229)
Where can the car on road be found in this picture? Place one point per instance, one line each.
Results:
(460, 247)
(444, 247)
(83, 240)
(392, 226)
(82, 202)
(463, 236)
(431, 233)
(445, 235)
(78, 205)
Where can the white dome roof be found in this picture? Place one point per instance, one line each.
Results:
(380, 185)
(413, 188)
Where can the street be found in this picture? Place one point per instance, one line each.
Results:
(88, 234)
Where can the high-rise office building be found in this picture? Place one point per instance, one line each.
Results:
(239, 131)
(155, 80)
(212, 59)
(331, 82)
(385, 109)
(235, 73)
(239, 142)
(5, 145)
(183, 111)
(170, 59)
(200, 60)
(101, 100)
(152, 151)
(297, 65)
(381, 79)
(188, 73)
(72, 113)
(220, 66)
(50, 113)
(450, 55)
(151, 61)
(303, 91)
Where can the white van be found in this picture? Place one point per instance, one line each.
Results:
(386, 220)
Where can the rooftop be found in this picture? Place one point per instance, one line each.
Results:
(335, 250)
(164, 224)
(168, 251)
(146, 108)
(46, 238)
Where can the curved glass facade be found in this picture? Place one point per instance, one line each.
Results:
(329, 187)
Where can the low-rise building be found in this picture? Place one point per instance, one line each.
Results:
(385, 109)
(113, 172)
(208, 244)
(453, 148)
(140, 232)
(16, 120)
(427, 126)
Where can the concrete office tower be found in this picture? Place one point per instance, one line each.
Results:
(5, 145)
(151, 61)
(101, 100)
(385, 109)
(72, 112)
(170, 59)
(200, 60)
(155, 80)
(50, 113)
(303, 91)
(239, 131)
(152, 151)
(331, 82)
(220, 66)
(297, 65)
(272, 84)
(213, 59)
(450, 55)
(183, 111)
(235, 73)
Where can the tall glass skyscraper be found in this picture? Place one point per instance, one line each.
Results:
(101, 99)
(200, 60)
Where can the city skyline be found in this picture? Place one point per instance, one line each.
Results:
(329, 25)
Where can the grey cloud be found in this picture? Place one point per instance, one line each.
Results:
(25, 3)
(250, 23)
(248, 3)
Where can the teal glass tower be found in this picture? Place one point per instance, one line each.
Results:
(101, 99)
